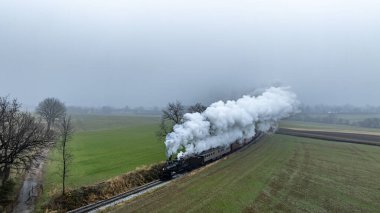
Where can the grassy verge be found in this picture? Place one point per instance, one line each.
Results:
(8, 193)
(91, 194)
(282, 173)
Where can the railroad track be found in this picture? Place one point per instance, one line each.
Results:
(101, 205)
(117, 199)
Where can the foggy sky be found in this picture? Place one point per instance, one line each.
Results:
(123, 52)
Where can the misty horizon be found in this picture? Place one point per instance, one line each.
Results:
(148, 53)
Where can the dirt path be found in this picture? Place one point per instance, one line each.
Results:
(32, 186)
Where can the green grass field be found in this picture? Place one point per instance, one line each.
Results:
(353, 117)
(326, 127)
(281, 173)
(104, 147)
(358, 117)
(84, 123)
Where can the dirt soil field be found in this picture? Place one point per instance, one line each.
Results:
(281, 173)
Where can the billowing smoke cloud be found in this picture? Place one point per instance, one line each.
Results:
(222, 123)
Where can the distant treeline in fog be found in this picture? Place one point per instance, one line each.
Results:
(107, 110)
(318, 113)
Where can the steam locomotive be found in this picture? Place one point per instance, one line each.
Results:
(188, 163)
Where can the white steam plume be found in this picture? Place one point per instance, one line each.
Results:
(222, 123)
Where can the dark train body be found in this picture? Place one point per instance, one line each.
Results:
(191, 162)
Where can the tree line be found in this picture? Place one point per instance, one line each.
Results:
(108, 110)
(24, 136)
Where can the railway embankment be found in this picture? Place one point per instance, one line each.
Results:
(82, 196)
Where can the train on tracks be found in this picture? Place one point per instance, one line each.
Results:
(188, 163)
(170, 170)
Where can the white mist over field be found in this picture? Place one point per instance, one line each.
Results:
(222, 123)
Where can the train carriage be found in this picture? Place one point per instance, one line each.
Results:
(215, 153)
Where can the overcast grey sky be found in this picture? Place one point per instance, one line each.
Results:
(140, 52)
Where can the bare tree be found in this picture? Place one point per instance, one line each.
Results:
(66, 132)
(171, 115)
(174, 112)
(22, 138)
(50, 110)
(198, 107)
